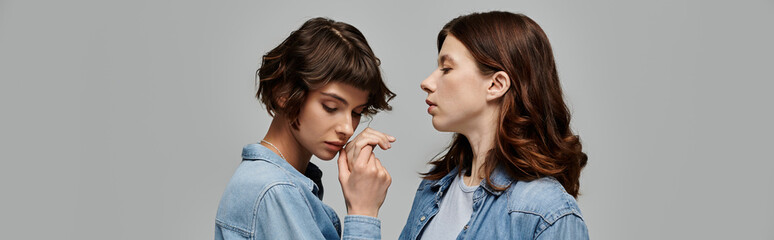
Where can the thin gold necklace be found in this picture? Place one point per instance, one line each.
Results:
(275, 147)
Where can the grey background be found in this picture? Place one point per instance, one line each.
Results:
(125, 119)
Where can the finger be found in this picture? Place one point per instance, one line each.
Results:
(379, 165)
(352, 154)
(373, 164)
(388, 137)
(376, 163)
(385, 141)
(364, 157)
(362, 143)
(350, 149)
(383, 172)
(374, 139)
(344, 168)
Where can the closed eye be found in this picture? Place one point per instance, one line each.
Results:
(329, 109)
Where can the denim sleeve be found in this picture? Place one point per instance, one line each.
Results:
(283, 213)
(361, 228)
(567, 227)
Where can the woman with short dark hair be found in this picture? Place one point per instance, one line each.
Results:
(317, 84)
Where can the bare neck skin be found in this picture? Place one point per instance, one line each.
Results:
(280, 135)
(481, 136)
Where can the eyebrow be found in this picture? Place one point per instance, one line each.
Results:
(337, 97)
(444, 58)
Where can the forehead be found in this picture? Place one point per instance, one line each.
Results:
(349, 94)
(453, 51)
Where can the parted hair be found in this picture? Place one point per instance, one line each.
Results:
(319, 52)
(533, 137)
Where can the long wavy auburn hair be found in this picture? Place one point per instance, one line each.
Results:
(533, 137)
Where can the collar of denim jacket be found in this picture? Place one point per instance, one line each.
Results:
(443, 183)
(259, 152)
(499, 177)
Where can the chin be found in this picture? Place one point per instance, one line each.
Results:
(447, 126)
(438, 126)
(325, 155)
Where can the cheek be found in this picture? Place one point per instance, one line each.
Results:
(309, 117)
(457, 94)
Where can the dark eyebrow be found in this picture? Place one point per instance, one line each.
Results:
(444, 58)
(337, 97)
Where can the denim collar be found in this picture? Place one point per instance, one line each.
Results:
(253, 152)
(499, 177)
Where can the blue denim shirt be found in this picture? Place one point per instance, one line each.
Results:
(539, 209)
(269, 199)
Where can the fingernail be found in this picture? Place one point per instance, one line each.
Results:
(391, 138)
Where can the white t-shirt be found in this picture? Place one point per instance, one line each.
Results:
(454, 212)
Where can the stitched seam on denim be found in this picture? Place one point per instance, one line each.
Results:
(233, 228)
(260, 199)
(362, 220)
(545, 218)
(311, 187)
(260, 156)
(335, 219)
(567, 205)
(551, 224)
(528, 212)
(357, 238)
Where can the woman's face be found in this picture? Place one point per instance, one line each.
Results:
(456, 90)
(328, 117)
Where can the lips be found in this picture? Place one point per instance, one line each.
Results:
(335, 146)
(431, 106)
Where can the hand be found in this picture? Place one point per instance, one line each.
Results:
(368, 137)
(365, 184)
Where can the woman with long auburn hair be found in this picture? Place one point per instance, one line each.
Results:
(512, 169)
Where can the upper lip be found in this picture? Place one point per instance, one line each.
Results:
(338, 144)
(429, 102)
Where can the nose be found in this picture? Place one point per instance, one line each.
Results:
(428, 85)
(346, 127)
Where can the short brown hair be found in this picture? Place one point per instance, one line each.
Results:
(320, 51)
(533, 137)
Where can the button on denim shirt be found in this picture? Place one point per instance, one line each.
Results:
(538, 209)
(269, 199)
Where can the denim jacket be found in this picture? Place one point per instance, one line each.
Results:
(538, 209)
(269, 199)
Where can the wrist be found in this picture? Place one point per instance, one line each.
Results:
(364, 212)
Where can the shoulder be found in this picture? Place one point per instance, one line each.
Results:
(251, 183)
(544, 197)
(425, 184)
(258, 174)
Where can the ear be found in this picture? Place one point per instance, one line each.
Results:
(499, 85)
(281, 101)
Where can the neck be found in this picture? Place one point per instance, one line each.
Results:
(481, 138)
(280, 134)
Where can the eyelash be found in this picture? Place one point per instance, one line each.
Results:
(445, 70)
(331, 110)
(327, 109)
